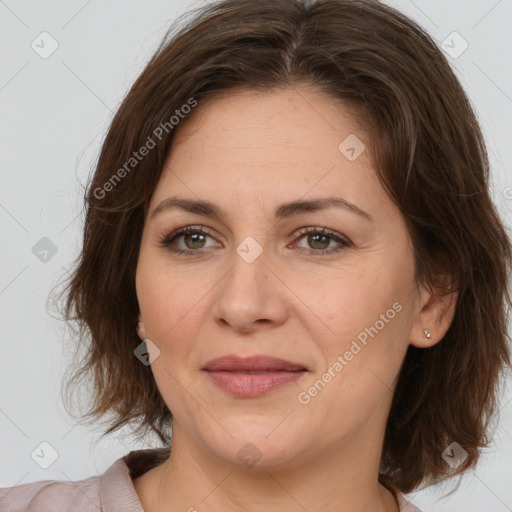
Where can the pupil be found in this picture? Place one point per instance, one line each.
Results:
(197, 237)
(315, 238)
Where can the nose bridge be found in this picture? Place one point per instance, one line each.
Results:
(247, 294)
(248, 277)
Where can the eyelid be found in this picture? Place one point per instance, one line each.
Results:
(323, 231)
(171, 236)
(342, 241)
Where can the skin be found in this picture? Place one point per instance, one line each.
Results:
(248, 152)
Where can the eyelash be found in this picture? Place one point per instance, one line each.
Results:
(168, 239)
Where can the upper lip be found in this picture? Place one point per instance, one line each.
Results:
(252, 363)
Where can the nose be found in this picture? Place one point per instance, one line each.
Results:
(250, 296)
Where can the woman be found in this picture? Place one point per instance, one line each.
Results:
(291, 257)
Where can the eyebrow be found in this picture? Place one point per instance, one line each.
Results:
(282, 211)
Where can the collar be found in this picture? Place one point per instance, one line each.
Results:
(116, 484)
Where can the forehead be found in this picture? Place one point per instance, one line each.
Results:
(295, 117)
(278, 145)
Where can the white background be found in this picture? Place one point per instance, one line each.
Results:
(54, 114)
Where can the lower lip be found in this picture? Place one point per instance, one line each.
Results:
(252, 385)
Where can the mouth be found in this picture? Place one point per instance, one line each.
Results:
(234, 363)
(254, 376)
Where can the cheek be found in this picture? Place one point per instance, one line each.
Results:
(172, 299)
(172, 311)
(364, 320)
(363, 356)
(351, 300)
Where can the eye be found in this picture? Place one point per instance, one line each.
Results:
(193, 240)
(322, 241)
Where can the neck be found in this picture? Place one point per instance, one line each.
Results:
(341, 479)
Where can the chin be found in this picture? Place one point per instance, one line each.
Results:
(260, 443)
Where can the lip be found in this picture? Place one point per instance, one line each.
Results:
(233, 363)
(254, 376)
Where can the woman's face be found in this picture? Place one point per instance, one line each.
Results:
(341, 304)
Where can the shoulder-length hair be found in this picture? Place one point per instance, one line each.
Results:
(427, 150)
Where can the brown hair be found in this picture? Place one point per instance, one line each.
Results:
(428, 151)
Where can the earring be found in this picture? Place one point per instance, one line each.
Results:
(426, 333)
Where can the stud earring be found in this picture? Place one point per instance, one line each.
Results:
(426, 333)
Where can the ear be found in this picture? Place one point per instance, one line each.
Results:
(141, 330)
(436, 313)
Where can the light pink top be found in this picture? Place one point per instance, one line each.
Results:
(111, 492)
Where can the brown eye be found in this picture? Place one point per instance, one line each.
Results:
(320, 241)
(189, 240)
(194, 240)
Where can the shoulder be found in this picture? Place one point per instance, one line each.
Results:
(110, 492)
(405, 505)
(52, 495)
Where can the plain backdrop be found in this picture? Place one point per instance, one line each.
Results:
(55, 110)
